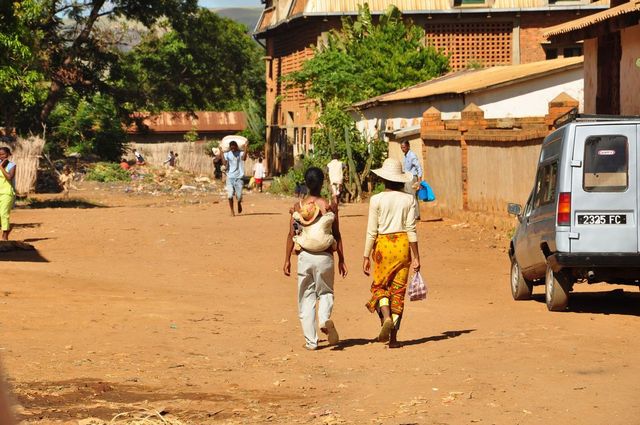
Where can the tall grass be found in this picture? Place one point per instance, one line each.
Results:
(26, 153)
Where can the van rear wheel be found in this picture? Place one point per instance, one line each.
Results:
(556, 290)
(521, 288)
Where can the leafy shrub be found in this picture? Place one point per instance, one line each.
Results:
(107, 172)
(208, 147)
(283, 185)
(286, 185)
(379, 188)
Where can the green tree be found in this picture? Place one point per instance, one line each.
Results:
(87, 125)
(256, 127)
(206, 62)
(362, 60)
(21, 88)
(79, 54)
(71, 52)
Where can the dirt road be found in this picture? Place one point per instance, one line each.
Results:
(171, 305)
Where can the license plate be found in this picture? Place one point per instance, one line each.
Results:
(602, 219)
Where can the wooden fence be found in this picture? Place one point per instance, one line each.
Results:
(192, 157)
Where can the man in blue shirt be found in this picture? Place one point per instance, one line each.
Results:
(411, 164)
(234, 163)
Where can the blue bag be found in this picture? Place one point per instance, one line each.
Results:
(425, 193)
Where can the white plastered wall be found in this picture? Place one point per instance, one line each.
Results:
(522, 99)
(530, 98)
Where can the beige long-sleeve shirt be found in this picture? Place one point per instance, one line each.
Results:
(390, 212)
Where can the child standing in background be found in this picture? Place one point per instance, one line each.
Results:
(258, 173)
(65, 180)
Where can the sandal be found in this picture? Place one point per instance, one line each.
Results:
(385, 331)
(332, 334)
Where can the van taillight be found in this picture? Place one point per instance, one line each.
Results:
(564, 209)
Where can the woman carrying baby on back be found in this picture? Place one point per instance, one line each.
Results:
(314, 232)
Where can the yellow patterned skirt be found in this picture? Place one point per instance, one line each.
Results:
(392, 259)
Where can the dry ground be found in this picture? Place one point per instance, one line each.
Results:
(169, 304)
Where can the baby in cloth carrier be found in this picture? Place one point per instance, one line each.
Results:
(313, 233)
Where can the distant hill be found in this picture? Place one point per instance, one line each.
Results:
(245, 15)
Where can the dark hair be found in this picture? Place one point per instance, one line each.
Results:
(6, 150)
(233, 143)
(388, 184)
(335, 156)
(405, 143)
(313, 178)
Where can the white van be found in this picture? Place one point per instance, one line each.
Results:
(580, 223)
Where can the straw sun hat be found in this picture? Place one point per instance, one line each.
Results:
(392, 170)
(307, 214)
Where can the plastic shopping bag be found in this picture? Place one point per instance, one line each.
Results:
(417, 288)
(425, 193)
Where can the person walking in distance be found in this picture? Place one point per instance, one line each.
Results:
(7, 190)
(139, 158)
(336, 176)
(411, 164)
(171, 160)
(259, 173)
(316, 218)
(234, 162)
(392, 242)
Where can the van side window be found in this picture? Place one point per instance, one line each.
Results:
(546, 183)
(606, 164)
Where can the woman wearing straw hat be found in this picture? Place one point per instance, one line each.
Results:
(392, 242)
(7, 191)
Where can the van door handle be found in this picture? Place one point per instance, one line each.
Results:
(574, 235)
(576, 163)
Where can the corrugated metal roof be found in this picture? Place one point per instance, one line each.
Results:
(285, 10)
(519, 4)
(473, 80)
(178, 122)
(631, 6)
(376, 6)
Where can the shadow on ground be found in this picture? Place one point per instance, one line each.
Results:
(364, 341)
(617, 301)
(264, 213)
(20, 251)
(25, 225)
(60, 203)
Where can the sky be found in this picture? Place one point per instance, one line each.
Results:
(230, 3)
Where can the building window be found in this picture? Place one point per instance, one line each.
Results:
(550, 53)
(305, 143)
(460, 3)
(296, 143)
(570, 52)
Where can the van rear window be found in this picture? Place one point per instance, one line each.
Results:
(606, 164)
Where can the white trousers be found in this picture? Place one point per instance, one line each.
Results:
(315, 285)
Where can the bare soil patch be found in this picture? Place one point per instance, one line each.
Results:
(166, 303)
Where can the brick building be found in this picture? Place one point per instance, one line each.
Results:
(611, 56)
(484, 32)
